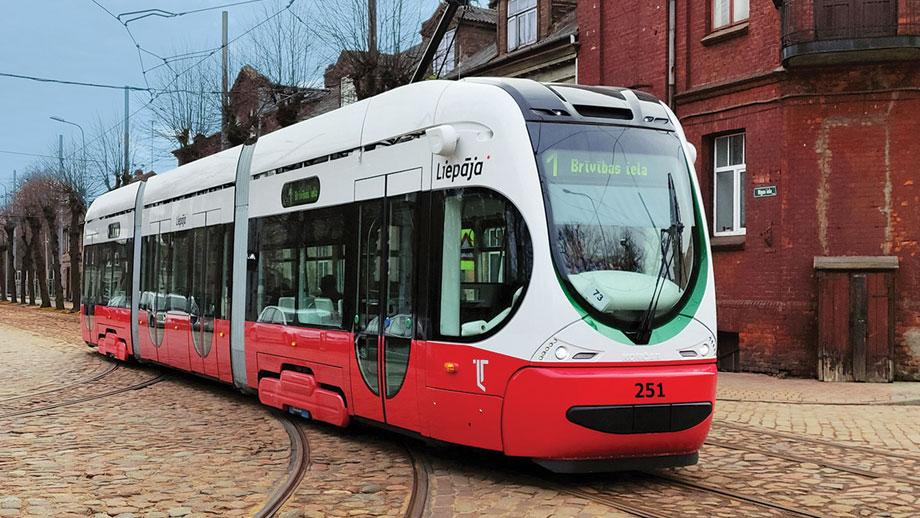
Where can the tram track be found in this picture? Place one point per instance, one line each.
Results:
(616, 501)
(299, 464)
(421, 471)
(670, 479)
(819, 442)
(33, 410)
(748, 442)
(96, 377)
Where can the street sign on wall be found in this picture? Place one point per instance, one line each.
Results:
(765, 191)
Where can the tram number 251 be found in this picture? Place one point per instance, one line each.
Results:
(645, 390)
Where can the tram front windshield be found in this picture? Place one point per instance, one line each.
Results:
(621, 214)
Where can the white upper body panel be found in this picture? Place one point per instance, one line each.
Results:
(113, 202)
(331, 132)
(202, 174)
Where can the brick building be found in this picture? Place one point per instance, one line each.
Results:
(535, 39)
(805, 116)
(257, 107)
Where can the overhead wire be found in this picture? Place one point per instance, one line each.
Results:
(99, 85)
(155, 94)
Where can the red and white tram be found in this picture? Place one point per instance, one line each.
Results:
(497, 263)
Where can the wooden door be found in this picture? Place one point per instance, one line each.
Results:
(854, 326)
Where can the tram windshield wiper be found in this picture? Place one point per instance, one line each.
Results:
(672, 234)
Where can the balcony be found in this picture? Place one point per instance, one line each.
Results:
(828, 32)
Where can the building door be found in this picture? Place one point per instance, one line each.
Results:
(844, 19)
(385, 306)
(855, 310)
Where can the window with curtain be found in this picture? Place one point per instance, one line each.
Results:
(729, 12)
(444, 57)
(522, 23)
(729, 183)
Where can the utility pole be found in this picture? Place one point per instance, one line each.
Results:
(224, 138)
(372, 26)
(127, 164)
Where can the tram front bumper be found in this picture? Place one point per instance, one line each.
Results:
(574, 413)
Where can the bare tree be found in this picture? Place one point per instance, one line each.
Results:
(372, 68)
(9, 229)
(188, 103)
(4, 249)
(105, 159)
(283, 48)
(36, 202)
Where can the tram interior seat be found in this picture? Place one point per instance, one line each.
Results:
(477, 327)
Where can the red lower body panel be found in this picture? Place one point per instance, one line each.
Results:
(112, 331)
(112, 345)
(299, 390)
(534, 421)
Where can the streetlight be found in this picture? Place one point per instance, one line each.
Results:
(82, 136)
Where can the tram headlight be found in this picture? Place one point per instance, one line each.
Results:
(561, 353)
(704, 350)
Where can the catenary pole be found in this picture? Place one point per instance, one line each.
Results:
(224, 138)
(127, 164)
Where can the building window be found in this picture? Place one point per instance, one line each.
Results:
(444, 57)
(348, 94)
(728, 12)
(522, 23)
(729, 185)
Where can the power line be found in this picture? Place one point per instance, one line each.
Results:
(77, 83)
(157, 93)
(100, 85)
(168, 14)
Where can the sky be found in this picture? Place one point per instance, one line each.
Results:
(77, 40)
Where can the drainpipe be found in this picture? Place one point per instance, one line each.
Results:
(672, 14)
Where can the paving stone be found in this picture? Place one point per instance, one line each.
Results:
(170, 451)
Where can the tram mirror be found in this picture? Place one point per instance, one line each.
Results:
(691, 153)
(443, 139)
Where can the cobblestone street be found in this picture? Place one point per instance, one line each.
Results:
(81, 435)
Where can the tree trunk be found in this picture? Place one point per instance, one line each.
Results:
(28, 284)
(41, 271)
(3, 275)
(11, 261)
(51, 222)
(76, 262)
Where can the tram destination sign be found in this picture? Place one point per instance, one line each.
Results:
(300, 192)
(765, 191)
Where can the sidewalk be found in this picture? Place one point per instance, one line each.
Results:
(735, 386)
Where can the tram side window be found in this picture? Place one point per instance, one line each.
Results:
(90, 274)
(210, 272)
(177, 298)
(107, 274)
(486, 262)
(121, 263)
(299, 273)
(148, 286)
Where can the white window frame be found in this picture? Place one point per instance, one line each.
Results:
(444, 57)
(738, 11)
(518, 11)
(737, 170)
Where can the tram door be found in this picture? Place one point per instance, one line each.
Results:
(383, 387)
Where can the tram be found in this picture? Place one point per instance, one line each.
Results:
(496, 263)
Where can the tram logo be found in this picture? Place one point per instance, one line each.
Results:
(471, 166)
(180, 220)
(480, 373)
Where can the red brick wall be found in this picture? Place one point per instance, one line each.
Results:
(623, 46)
(839, 143)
